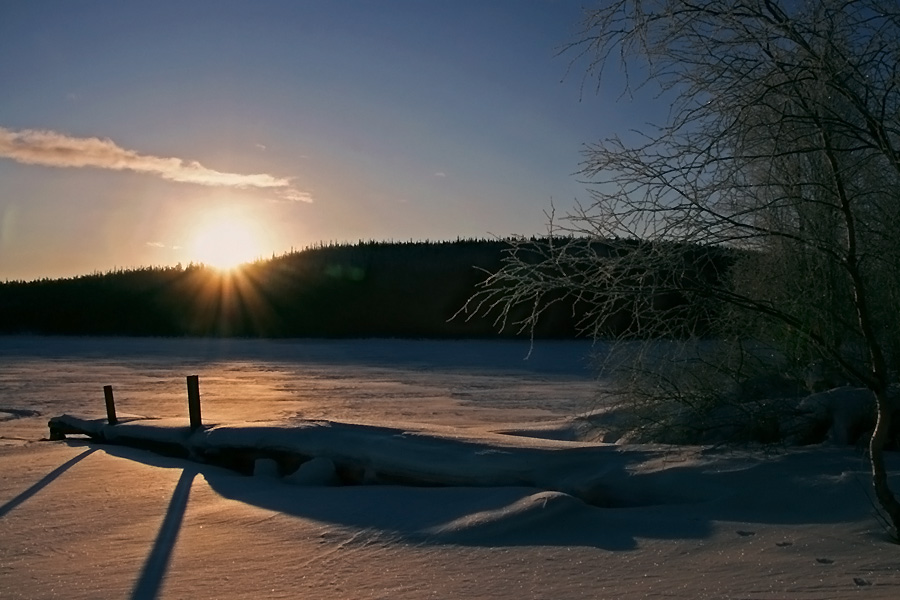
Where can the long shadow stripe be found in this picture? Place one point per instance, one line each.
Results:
(43, 482)
(154, 571)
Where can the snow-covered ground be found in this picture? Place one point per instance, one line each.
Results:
(80, 520)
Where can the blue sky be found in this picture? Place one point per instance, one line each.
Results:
(127, 127)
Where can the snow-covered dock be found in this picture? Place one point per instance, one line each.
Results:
(321, 452)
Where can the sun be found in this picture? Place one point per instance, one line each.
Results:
(225, 241)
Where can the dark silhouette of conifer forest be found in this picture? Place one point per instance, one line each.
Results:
(369, 289)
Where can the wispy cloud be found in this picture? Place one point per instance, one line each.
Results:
(54, 149)
(294, 195)
(440, 174)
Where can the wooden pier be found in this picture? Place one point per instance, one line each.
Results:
(356, 453)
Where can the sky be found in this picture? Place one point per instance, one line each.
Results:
(152, 133)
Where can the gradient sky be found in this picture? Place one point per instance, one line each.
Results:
(126, 126)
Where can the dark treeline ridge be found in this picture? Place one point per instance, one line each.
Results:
(369, 289)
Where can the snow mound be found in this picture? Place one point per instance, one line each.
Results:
(549, 475)
(526, 513)
(373, 454)
(845, 413)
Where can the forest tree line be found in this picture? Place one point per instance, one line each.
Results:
(369, 289)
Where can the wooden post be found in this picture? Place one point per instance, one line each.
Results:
(193, 389)
(110, 405)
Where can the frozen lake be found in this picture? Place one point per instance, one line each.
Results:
(685, 523)
(460, 383)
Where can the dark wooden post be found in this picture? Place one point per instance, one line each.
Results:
(193, 388)
(110, 405)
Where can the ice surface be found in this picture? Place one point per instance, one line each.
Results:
(453, 383)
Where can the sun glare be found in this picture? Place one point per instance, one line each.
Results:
(224, 242)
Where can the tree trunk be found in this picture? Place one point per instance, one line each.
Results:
(883, 493)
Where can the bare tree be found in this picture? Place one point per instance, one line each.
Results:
(780, 159)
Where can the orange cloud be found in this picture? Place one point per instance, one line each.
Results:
(53, 149)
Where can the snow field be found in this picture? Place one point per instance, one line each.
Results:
(81, 520)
